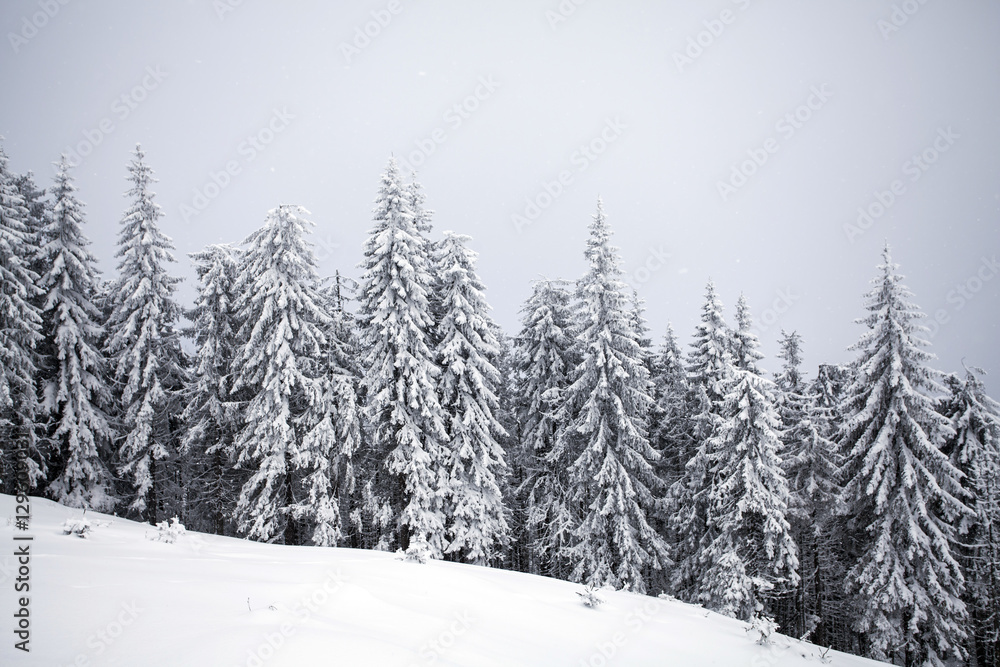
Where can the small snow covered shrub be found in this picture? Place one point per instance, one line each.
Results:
(590, 597)
(169, 531)
(763, 627)
(79, 527)
(418, 552)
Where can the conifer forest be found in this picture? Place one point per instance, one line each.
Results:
(856, 505)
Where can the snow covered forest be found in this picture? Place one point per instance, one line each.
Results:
(856, 505)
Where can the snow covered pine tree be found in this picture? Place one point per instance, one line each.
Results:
(545, 357)
(401, 384)
(811, 461)
(289, 437)
(147, 363)
(20, 322)
(670, 422)
(710, 364)
(901, 492)
(752, 547)
(211, 414)
(76, 390)
(975, 450)
(611, 478)
(466, 352)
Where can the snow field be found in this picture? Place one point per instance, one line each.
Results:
(119, 598)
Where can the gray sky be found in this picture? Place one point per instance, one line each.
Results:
(805, 112)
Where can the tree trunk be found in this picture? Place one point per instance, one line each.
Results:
(291, 528)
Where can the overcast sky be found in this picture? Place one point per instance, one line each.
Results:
(732, 139)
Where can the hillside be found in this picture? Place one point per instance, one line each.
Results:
(118, 598)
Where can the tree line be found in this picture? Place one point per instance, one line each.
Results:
(858, 508)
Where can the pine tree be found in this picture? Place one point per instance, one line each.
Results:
(144, 347)
(811, 461)
(710, 365)
(975, 450)
(435, 288)
(670, 431)
(517, 556)
(76, 390)
(901, 491)
(829, 386)
(790, 399)
(343, 358)
(790, 380)
(330, 448)
(611, 478)
(637, 316)
(39, 217)
(830, 560)
(294, 440)
(466, 353)
(345, 346)
(544, 359)
(421, 216)
(211, 413)
(20, 333)
(752, 548)
(368, 513)
(400, 384)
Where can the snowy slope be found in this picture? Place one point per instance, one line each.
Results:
(118, 598)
